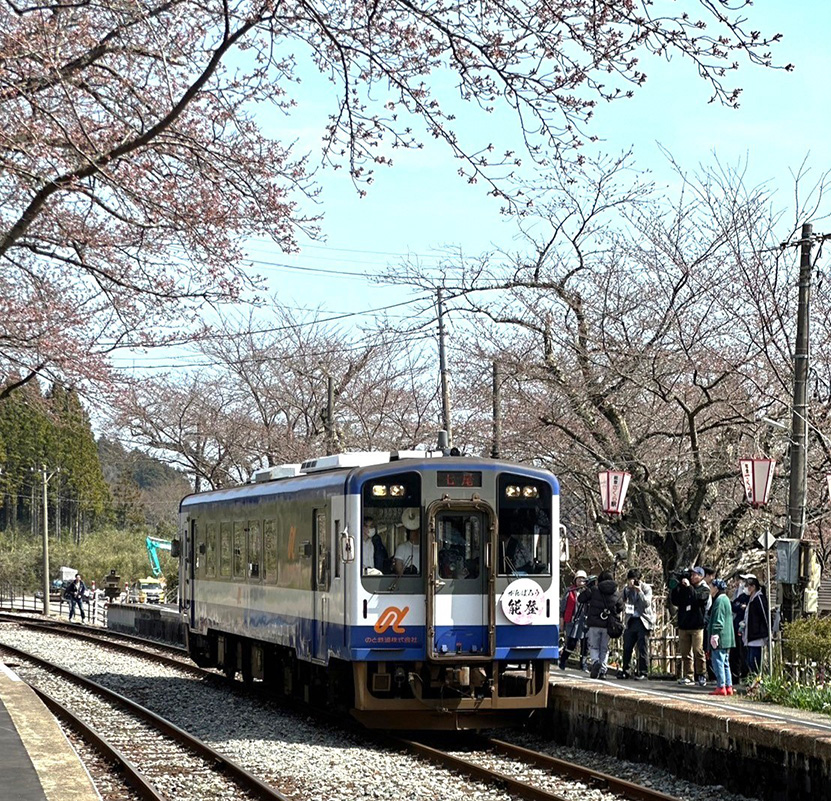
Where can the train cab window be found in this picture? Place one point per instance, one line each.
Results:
(255, 547)
(225, 549)
(525, 534)
(269, 552)
(210, 550)
(391, 545)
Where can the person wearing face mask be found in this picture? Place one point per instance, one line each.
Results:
(374, 553)
(738, 655)
(755, 634)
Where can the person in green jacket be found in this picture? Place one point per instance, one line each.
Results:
(722, 637)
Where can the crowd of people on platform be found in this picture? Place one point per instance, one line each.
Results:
(729, 628)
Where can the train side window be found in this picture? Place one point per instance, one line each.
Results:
(254, 549)
(198, 548)
(225, 548)
(336, 535)
(210, 550)
(269, 552)
(322, 539)
(239, 549)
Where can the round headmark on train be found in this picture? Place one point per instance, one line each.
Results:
(522, 601)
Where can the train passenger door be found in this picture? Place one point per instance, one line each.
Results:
(460, 580)
(321, 579)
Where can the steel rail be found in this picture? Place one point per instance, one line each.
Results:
(481, 773)
(65, 625)
(588, 775)
(133, 776)
(90, 635)
(237, 772)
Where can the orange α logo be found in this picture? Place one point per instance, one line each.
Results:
(391, 617)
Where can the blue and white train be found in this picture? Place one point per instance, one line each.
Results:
(416, 589)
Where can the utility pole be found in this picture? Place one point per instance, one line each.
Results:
(496, 445)
(330, 415)
(46, 583)
(445, 377)
(799, 418)
(797, 487)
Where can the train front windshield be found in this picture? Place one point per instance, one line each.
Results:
(391, 527)
(524, 526)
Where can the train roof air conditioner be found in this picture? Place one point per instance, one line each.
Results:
(357, 459)
(273, 473)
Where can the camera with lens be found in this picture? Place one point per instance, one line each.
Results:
(683, 573)
(591, 581)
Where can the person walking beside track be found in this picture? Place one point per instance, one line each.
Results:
(75, 594)
(603, 601)
(721, 637)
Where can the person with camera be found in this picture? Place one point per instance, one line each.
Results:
(574, 621)
(691, 597)
(604, 602)
(639, 617)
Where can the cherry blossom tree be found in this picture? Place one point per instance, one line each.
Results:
(645, 333)
(133, 163)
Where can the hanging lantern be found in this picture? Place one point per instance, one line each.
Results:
(613, 486)
(757, 476)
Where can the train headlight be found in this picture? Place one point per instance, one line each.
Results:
(530, 492)
(379, 490)
(397, 490)
(512, 491)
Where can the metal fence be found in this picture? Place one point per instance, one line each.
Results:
(95, 609)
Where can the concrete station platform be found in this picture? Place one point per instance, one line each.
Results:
(751, 747)
(37, 762)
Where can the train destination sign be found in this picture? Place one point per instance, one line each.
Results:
(458, 478)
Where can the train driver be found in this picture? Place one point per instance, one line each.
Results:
(374, 553)
(407, 557)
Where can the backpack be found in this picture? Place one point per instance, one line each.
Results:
(614, 625)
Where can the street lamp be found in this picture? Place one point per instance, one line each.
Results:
(757, 476)
(613, 486)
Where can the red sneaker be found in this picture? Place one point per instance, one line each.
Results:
(730, 690)
(719, 691)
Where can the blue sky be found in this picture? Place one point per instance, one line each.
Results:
(420, 205)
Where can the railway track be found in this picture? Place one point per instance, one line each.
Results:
(508, 769)
(529, 774)
(158, 758)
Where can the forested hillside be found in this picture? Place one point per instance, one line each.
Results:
(102, 499)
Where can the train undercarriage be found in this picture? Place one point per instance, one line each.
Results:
(446, 695)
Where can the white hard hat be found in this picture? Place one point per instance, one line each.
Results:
(581, 574)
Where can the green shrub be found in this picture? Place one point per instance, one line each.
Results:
(808, 639)
(782, 690)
